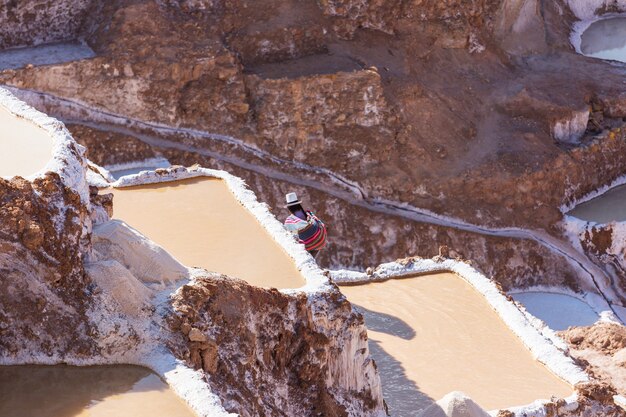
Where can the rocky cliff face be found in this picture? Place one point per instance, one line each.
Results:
(453, 108)
(44, 288)
(298, 355)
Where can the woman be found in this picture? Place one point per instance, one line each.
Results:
(311, 231)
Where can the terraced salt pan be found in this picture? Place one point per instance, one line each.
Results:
(25, 148)
(133, 168)
(200, 222)
(94, 391)
(435, 334)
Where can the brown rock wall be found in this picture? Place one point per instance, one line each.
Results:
(44, 289)
(282, 346)
(305, 118)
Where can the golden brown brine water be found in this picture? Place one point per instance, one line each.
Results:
(434, 334)
(201, 223)
(25, 148)
(93, 391)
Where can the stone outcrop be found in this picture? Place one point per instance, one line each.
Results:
(298, 355)
(306, 119)
(605, 244)
(44, 289)
(601, 348)
(594, 399)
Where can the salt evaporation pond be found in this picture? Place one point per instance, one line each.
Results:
(605, 39)
(558, 311)
(25, 148)
(434, 334)
(94, 391)
(53, 53)
(200, 222)
(606, 208)
(151, 166)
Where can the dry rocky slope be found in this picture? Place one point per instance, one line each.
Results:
(476, 110)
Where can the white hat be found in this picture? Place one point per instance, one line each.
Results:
(292, 199)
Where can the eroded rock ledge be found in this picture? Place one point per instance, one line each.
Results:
(298, 355)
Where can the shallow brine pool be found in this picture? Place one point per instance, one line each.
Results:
(558, 311)
(605, 39)
(54, 53)
(93, 391)
(25, 148)
(152, 165)
(434, 334)
(606, 208)
(201, 223)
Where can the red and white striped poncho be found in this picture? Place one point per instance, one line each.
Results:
(311, 232)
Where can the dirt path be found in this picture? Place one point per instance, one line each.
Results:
(201, 224)
(434, 334)
(24, 147)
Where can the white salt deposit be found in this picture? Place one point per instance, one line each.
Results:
(146, 261)
(455, 404)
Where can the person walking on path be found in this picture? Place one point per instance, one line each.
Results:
(310, 230)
